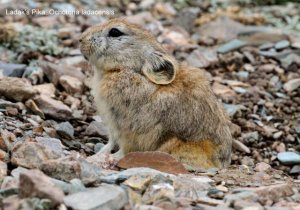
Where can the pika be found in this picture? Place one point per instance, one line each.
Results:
(150, 102)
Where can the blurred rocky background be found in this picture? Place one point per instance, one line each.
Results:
(50, 132)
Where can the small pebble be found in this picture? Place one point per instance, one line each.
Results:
(222, 188)
(243, 74)
(289, 158)
(266, 46)
(277, 135)
(295, 169)
(282, 44)
(65, 130)
(90, 145)
(247, 161)
(260, 167)
(98, 147)
(215, 193)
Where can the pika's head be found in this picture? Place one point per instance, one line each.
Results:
(119, 45)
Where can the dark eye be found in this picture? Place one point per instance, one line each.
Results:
(114, 32)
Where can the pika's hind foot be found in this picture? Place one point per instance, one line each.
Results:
(118, 155)
(107, 148)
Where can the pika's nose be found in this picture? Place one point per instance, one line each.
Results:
(80, 40)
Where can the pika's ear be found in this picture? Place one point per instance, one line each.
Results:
(160, 69)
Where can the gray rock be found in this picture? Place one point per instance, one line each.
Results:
(244, 195)
(219, 30)
(232, 45)
(232, 109)
(240, 146)
(97, 129)
(250, 135)
(4, 104)
(77, 184)
(158, 191)
(292, 85)
(249, 68)
(295, 169)
(266, 46)
(274, 81)
(69, 168)
(186, 18)
(64, 169)
(53, 72)
(146, 4)
(64, 186)
(212, 171)
(239, 90)
(52, 143)
(16, 172)
(241, 204)
(124, 175)
(202, 58)
(296, 44)
(74, 186)
(89, 172)
(12, 70)
(32, 4)
(65, 130)
(46, 89)
(31, 154)
(243, 74)
(289, 59)
(104, 197)
(53, 108)
(289, 158)
(215, 193)
(98, 147)
(277, 208)
(16, 88)
(76, 60)
(9, 182)
(248, 161)
(189, 186)
(35, 74)
(297, 128)
(148, 207)
(262, 166)
(35, 203)
(278, 134)
(8, 192)
(34, 183)
(3, 170)
(282, 44)
(281, 95)
(71, 84)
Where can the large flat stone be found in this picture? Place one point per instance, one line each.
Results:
(104, 197)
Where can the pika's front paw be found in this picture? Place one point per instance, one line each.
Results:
(106, 149)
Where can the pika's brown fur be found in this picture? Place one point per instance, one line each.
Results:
(152, 103)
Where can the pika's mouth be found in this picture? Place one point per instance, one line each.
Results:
(90, 51)
(85, 52)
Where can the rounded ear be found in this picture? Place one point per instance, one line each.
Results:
(160, 69)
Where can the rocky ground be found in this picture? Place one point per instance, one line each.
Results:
(50, 133)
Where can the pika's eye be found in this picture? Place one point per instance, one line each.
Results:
(114, 32)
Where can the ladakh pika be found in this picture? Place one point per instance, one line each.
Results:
(150, 102)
